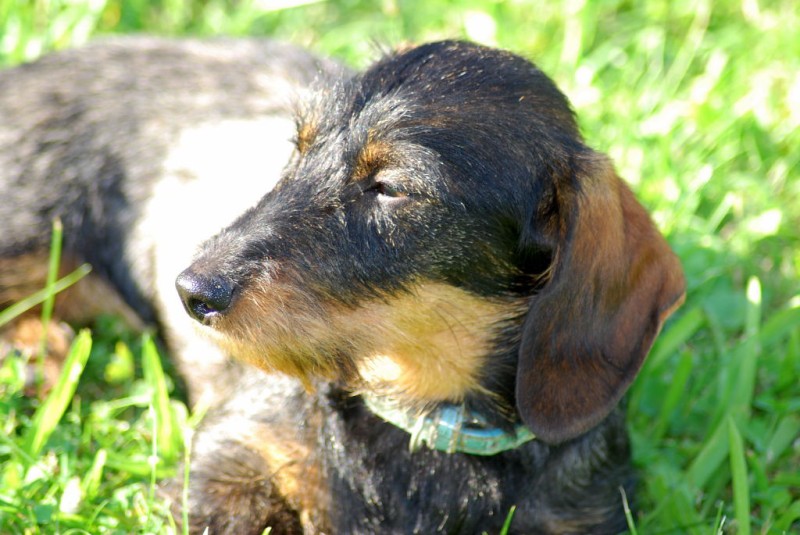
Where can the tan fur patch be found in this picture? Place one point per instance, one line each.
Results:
(276, 327)
(429, 344)
(306, 133)
(372, 157)
(291, 465)
(21, 276)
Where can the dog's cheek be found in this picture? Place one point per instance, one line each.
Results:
(469, 254)
(352, 256)
(431, 343)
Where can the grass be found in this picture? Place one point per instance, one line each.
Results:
(698, 102)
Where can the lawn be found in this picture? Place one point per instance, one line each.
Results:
(698, 103)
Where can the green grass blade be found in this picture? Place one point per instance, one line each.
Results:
(628, 514)
(675, 394)
(741, 491)
(91, 481)
(787, 376)
(737, 380)
(509, 518)
(187, 456)
(689, 50)
(49, 414)
(35, 299)
(167, 432)
(719, 520)
(710, 458)
(779, 324)
(140, 465)
(674, 337)
(785, 434)
(153, 461)
(673, 498)
(50, 298)
(748, 365)
(785, 521)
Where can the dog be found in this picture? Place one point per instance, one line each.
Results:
(448, 290)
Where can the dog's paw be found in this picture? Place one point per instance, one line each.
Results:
(230, 493)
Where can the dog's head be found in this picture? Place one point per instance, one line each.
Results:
(442, 233)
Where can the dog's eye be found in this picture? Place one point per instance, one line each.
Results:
(387, 189)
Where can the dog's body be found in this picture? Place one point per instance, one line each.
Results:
(440, 238)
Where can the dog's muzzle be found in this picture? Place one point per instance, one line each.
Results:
(204, 297)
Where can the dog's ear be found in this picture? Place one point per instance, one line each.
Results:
(613, 282)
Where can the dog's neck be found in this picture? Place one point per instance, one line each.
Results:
(449, 428)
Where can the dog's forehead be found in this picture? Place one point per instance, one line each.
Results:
(391, 84)
(339, 128)
(441, 84)
(349, 112)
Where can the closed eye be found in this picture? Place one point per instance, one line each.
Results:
(387, 190)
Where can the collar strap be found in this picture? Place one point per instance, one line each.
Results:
(449, 428)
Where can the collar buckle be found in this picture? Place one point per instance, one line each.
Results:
(449, 428)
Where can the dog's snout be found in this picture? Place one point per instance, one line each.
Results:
(204, 297)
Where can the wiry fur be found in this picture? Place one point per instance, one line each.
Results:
(441, 234)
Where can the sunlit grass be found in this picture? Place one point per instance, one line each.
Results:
(698, 103)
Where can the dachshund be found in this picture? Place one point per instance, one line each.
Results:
(434, 313)
(461, 291)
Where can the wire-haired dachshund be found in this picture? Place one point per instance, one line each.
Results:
(456, 290)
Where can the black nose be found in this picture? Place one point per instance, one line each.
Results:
(203, 297)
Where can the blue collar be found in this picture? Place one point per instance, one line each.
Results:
(449, 428)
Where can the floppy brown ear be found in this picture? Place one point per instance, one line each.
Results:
(613, 282)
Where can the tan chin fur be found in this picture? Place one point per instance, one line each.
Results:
(276, 327)
(429, 344)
